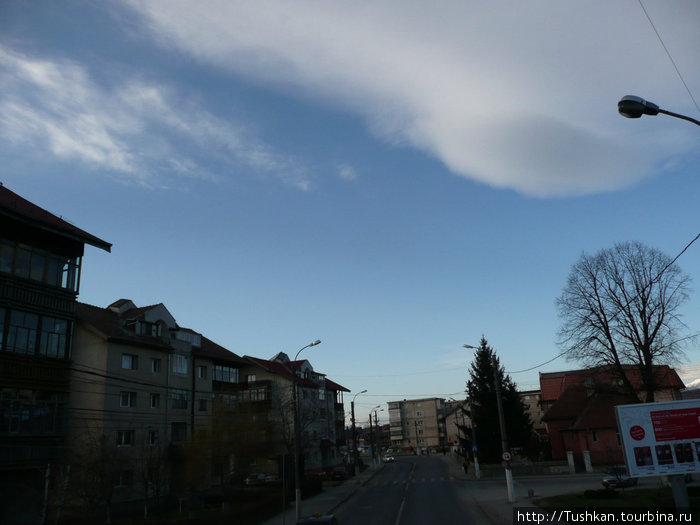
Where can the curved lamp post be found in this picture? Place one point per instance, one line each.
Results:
(297, 436)
(631, 106)
(354, 435)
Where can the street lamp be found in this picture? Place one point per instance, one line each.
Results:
(297, 436)
(631, 106)
(354, 435)
(502, 424)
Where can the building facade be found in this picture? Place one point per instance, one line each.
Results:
(40, 263)
(418, 424)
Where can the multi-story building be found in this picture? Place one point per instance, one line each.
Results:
(533, 406)
(457, 419)
(321, 410)
(143, 403)
(418, 423)
(40, 262)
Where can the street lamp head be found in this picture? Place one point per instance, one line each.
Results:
(362, 392)
(316, 342)
(471, 347)
(631, 106)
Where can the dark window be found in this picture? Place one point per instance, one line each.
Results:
(125, 438)
(178, 431)
(179, 398)
(130, 361)
(155, 400)
(202, 405)
(225, 374)
(127, 399)
(54, 337)
(155, 366)
(22, 332)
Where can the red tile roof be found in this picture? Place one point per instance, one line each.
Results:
(553, 384)
(588, 407)
(20, 209)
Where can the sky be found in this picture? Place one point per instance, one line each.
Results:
(394, 178)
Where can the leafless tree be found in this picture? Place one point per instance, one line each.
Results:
(621, 306)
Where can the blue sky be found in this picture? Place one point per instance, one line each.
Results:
(393, 178)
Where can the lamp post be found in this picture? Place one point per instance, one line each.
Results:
(374, 433)
(631, 106)
(502, 424)
(297, 436)
(354, 435)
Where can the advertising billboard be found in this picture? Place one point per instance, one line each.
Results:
(660, 439)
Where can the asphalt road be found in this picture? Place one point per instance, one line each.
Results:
(412, 491)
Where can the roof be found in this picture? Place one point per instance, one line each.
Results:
(332, 385)
(280, 369)
(20, 209)
(553, 384)
(211, 350)
(588, 407)
(109, 325)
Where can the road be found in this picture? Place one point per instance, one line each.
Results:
(412, 491)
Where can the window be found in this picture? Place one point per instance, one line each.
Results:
(179, 364)
(130, 362)
(594, 436)
(155, 400)
(124, 478)
(153, 438)
(125, 438)
(322, 394)
(251, 378)
(419, 414)
(127, 399)
(179, 398)
(225, 374)
(149, 329)
(54, 337)
(22, 332)
(202, 372)
(155, 365)
(178, 431)
(202, 405)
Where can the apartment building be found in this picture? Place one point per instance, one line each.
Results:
(321, 408)
(40, 263)
(533, 405)
(456, 420)
(418, 423)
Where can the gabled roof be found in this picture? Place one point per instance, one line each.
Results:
(20, 209)
(109, 324)
(211, 350)
(592, 407)
(553, 384)
(278, 368)
(332, 385)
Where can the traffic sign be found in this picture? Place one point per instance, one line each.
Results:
(506, 456)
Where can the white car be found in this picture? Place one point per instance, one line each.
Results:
(388, 459)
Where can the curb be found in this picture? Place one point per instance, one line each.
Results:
(352, 493)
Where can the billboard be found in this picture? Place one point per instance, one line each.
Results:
(660, 439)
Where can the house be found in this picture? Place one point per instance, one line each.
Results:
(40, 263)
(418, 423)
(321, 410)
(579, 409)
(143, 404)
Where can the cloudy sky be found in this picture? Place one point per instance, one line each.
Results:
(395, 178)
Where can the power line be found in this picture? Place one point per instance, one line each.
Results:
(669, 55)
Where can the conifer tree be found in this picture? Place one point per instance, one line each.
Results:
(481, 390)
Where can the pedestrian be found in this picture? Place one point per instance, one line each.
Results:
(465, 465)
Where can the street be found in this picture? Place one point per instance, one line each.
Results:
(412, 491)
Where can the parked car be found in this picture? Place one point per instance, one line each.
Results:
(318, 520)
(388, 458)
(257, 478)
(339, 473)
(618, 477)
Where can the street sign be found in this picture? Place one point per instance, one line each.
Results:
(506, 456)
(474, 448)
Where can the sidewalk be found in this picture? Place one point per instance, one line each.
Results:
(490, 496)
(334, 494)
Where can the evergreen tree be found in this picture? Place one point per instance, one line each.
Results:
(481, 390)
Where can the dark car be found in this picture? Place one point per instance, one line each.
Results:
(255, 479)
(339, 473)
(618, 477)
(318, 520)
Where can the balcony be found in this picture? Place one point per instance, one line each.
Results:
(36, 298)
(17, 371)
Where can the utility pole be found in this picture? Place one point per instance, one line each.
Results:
(415, 425)
(475, 450)
(504, 438)
(354, 434)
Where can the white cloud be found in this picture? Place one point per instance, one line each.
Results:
(137, 131)
(347, 172)
(517, 95)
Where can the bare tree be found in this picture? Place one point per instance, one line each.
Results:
(620, 307)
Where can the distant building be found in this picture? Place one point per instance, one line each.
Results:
(580, 405)
(456, 420)
(40, 263)
(418, 423)
(533, 406)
